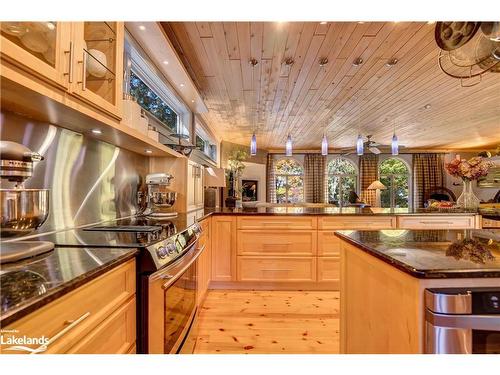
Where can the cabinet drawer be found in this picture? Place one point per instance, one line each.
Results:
(329, 269)
(277, 222)
(328, 244)
(86, 307)
(436, 222)
(357, 222)
(276, 269)
(116, 335)
(279, 243)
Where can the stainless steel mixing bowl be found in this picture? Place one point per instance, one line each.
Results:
(23, 210)
(163, 198)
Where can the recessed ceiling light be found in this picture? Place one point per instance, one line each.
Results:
(427, 106)
(431, 22)
(96, 131)
(361, 22)
(148, 151)
(391, 62)
(192, 100)
(142, 27)
(181, 85)
(358, 61)
(51, 26)
(323, 23)
(165, 62)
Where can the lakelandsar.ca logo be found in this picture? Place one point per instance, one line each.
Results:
(11, 340)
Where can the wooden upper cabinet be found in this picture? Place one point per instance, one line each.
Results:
(44, 49)
(98, 64)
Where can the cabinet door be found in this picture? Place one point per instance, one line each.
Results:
(42, 48)
(199, 191)
(99, 64)
(223, 248)
(191, 186)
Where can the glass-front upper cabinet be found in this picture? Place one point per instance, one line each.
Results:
(43, 48)
(99, 64)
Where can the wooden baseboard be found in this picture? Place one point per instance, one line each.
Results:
(239, 285)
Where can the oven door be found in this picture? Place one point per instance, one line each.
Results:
(172, 304)
(462, 334)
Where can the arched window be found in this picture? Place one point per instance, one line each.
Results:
(289, 175)
(342, 179)
(395, 175)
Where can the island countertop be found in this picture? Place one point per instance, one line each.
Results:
(333, 211)
(28, 285)
(432, 254)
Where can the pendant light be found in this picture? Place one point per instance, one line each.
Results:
(253, 145)
(394, 143)
(359, 145)
(253, 141)
(288, 146)
(324, 146)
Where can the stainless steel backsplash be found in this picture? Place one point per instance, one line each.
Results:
(89, 180)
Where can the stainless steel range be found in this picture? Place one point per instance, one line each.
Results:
(166, 275)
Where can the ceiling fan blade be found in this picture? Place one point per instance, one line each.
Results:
(374, 150)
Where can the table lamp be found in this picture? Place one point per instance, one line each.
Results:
(377, 186)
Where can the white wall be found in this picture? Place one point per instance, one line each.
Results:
(257, 172)
(484, 194)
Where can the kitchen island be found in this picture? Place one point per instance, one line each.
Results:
(385, 273)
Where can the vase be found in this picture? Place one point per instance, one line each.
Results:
(468, 200)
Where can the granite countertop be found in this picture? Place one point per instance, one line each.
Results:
(333, 211)
(433, 254)
(30, 284)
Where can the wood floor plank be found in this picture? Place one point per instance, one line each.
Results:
(269, 322)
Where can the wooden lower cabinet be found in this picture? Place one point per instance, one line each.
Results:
(223, 234)
(438, 222)
(98, 317)
(204, 262)
(288, 269)
(276, 243)
(329, 269)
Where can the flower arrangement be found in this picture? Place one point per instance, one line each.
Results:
(468, 170)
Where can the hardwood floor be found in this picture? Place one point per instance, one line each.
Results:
(269, 322)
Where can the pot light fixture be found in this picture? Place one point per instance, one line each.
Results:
(391, 62)
(142, 27)
(427, 106)
(147, 151)
(359, 145)
(165, 62)
(357, 62)
(96, 131)
(288, 146)
(323, 23)
(181, 85)
(323, 61)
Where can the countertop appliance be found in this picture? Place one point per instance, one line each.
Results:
(23, 210)
(462, 321)
(160, 198)
(166, 274)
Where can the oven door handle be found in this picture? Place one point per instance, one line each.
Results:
(475, 322)
(173, 278)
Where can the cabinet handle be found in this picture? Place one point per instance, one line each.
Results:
(276, 269)
(70, 325)
(437, 222)
(70, 62)
(84, 75)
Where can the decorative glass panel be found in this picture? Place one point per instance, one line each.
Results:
(38, 38)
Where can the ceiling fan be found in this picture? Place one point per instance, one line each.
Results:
(369, 144)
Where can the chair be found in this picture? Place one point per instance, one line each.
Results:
(440, 193)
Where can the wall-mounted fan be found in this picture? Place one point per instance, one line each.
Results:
(370, 145)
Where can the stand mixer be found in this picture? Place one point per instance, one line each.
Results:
(159, 198)
(23, 210)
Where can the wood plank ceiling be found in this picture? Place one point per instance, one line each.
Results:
(306, 99)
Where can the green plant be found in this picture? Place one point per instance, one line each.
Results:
(235, 162)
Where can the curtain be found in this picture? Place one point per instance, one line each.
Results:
(314, 178)
(271, 181)
(368, 172)
(428, 172)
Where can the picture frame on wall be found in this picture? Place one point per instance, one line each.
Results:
(250, 190)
